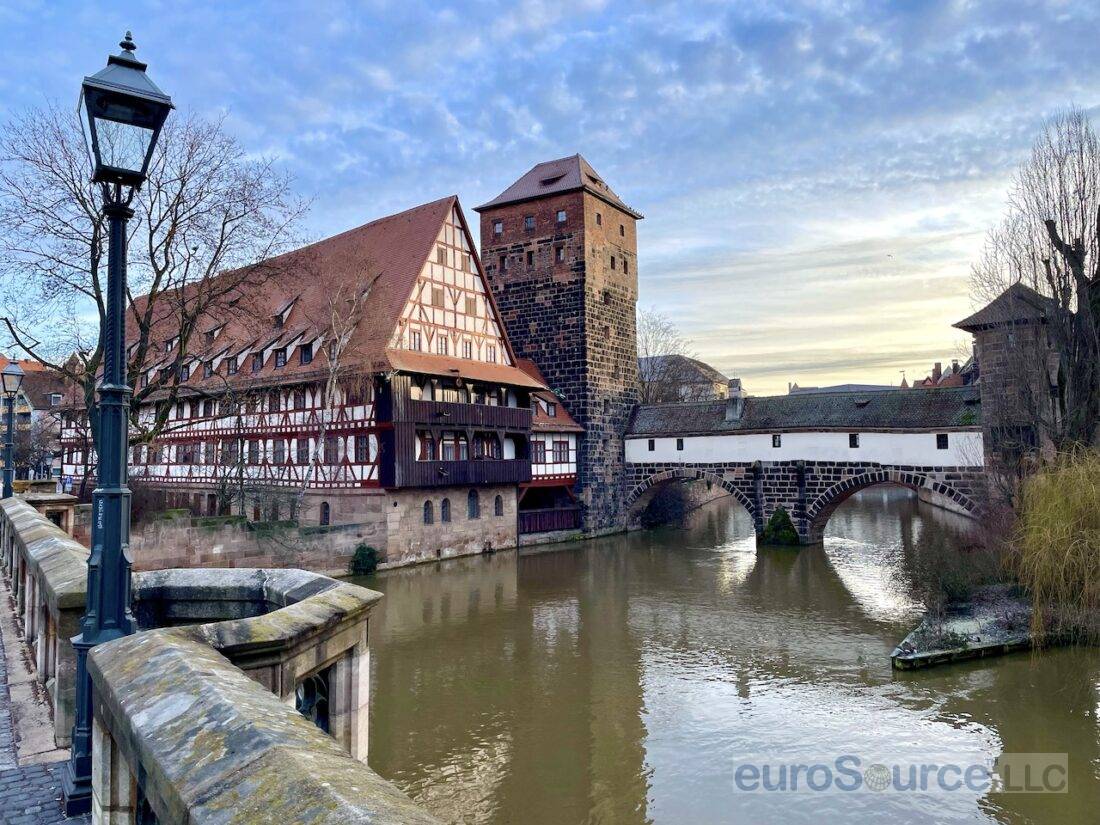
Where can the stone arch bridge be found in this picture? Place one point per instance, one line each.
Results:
(808, 452)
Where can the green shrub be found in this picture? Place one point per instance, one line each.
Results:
(365, 560)
(1056, 552)
(780, 530)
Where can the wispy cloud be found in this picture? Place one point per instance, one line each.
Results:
(816, 176)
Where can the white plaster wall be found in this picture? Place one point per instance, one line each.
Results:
(964, 448)
(550, 468)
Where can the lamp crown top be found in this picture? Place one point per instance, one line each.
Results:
(127, 43)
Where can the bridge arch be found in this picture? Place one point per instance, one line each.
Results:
(821, 508)
(641, 491)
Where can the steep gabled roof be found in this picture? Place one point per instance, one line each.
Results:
(555, 177)
(381, 260)
(39, 385)
(1017, 304)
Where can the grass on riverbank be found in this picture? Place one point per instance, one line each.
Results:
(1056, 552)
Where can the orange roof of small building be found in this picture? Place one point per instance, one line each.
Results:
(25, 364)
(541, 421)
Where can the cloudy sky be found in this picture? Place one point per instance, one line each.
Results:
(816, 177)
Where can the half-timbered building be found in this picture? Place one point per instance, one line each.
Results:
(369, 382)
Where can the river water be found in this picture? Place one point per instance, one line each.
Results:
(622, 680)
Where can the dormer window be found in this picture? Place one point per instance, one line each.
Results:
(257, 361)
(231, 365)
(280, 357)
(170, 344)
(207, 369)
(280, 317)
(55, 399)
(185, 372)
(305, 353)
(551, 409)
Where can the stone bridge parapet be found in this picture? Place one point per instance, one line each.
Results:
(249, 703)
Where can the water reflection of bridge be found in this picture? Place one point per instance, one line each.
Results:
(567, 686)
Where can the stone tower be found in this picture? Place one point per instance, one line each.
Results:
(560, 252)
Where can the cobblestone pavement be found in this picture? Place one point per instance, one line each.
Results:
(29, 795)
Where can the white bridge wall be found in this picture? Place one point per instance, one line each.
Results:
(964, 448)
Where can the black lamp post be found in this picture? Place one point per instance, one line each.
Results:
(125, 112)
(12, 379)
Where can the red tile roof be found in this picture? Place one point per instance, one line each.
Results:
(541, 422)
(384, 258)
(429, 364)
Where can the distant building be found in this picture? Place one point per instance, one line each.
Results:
(954, 376)
(1019, 370)
(669, 379)
(794, 389)
(38, 420)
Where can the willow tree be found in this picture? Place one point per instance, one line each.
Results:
(206, 220)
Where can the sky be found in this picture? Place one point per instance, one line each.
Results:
(817, 178)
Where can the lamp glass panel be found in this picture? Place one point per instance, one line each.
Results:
(122, 145)
(11, 381)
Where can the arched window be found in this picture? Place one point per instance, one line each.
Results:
(473, 505)
(445, 510)
(498, 506)
(326, 514)
(429, 515)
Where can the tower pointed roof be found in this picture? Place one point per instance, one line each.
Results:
(555, 177)
(1017, 304)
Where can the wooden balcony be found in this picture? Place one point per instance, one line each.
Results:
(545, 521)
(447, 414)
(448, 473)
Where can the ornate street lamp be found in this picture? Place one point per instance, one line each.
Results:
(125, 112)
(12, 379)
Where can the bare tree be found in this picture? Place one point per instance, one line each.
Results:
(207, 221)
(1050, 242)
(337, 321)
(35, 445)
(661, 347)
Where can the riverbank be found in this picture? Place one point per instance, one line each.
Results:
(994, 621)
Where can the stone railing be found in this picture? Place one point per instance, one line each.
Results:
(48, 573)
(185, 710)
(248, 694)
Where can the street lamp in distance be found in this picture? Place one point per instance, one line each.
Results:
(11, 379)
(124, 112)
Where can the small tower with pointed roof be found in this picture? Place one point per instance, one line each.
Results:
(561, 255)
